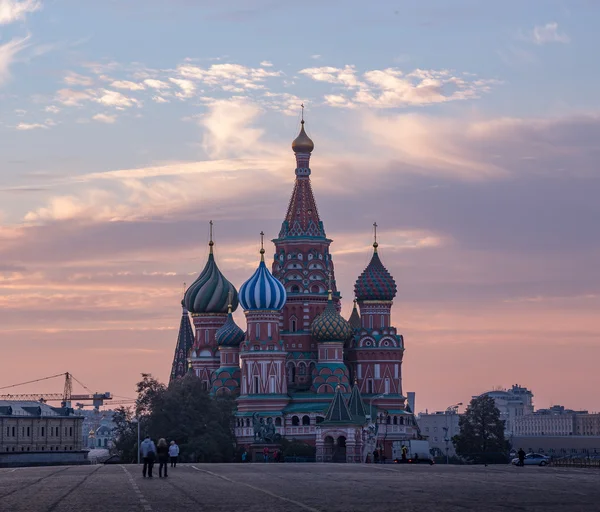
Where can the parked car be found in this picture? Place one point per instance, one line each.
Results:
(533, 459)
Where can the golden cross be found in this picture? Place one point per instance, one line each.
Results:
(302, 105)
(262, 239)
(375, 230)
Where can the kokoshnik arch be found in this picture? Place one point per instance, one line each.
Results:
(299, 365)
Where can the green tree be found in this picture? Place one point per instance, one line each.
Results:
(481, 438)
(125, 434)
(184, 412)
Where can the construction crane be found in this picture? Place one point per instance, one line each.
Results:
(65, 397)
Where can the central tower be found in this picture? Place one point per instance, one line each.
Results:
(302, 263)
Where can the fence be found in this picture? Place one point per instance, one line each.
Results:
(577, 463)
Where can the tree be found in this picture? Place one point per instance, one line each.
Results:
(481, 438)
(125, 434)
(184, 412)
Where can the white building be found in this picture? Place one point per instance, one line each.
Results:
(512, 403)
(439, 428)
(555, 421)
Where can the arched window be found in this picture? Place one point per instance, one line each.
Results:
(293, 325)
(315, 289)
(295, 421)
(388, 420)
(305, 420)
(278, 422)
(401, 421)
(295, 289)
(291, 367)
(371, 321)
(395, 420)
(302, 369)
(257, 331)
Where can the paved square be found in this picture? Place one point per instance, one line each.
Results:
(299, 487)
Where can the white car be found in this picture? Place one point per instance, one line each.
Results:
(533, 459)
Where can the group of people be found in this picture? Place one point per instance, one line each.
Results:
(277, 455)
(162, 452)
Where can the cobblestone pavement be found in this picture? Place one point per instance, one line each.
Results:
(299, 487)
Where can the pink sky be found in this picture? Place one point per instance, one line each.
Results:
(496, 264)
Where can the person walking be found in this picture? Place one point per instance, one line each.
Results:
(521, 455)
(148, 450)
(162, 450)
(244, 456)
(404, 452)
(266, 454)
(173, 453)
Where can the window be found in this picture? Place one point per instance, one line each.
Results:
(206, 336)
(14, 431)
(295, 421)
(382, 321)
(71, 431)
(28, 431)
(371, 321)
(43, 431)
(387, 386)
(370, 386)
(359, 368)
(255, 387)
(272, 384)
(269, 330)
(293, 326)
(377, 371)
(305, 420)
(257, 331)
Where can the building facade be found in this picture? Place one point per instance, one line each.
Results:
(513, 403)
(558, 421)
(297, 357)
(439, 428)
(32, 431)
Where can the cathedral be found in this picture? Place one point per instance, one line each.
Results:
(300, 368)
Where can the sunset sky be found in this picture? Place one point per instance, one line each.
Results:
(469, 130)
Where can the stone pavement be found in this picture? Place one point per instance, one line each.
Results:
(299, 487)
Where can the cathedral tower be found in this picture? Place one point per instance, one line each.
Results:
(263, 354)
(302, 263)
(207, 301)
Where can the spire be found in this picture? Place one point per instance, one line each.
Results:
(211, 243)
(354, 319)
(262, 246)
(185, 340)
(302, 218)
(356, 406)
(375, 244)
(338, 410)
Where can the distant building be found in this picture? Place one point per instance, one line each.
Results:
(512, 403)
(558, 421)
(93, 420)
(558, 446)
(439, 428)
(33, 433)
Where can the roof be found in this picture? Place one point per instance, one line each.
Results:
(306, 407)
(31, 408)
(338, 410)
(356, 404)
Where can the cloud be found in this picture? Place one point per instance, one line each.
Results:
(266, 64)
(392, 88)
(232, 77)
(77, 79)
(156, 84)
(188, 88)
(17, 10)
(71, 98)
(8, 52)
(52, 109)
(159, 99)
(316, 56)
(116, 99)
(126, 84)
(104, 118)
(30, 126)
(548, 33)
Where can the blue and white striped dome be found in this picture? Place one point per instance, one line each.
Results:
(262, 290)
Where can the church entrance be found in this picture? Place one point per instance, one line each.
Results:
(339, 453)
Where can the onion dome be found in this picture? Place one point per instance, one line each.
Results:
(354, 319)
(303, 143)
(229, 334)
(262, 291)
(375, 283)
(209, 292)
(330, 325)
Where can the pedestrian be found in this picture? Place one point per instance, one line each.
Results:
(162, 450)
(276, 456)
(244, 456)
(148, 450)
(174, 453)
(375, 456)
(266, 454)
(521, 455)
(404, 451)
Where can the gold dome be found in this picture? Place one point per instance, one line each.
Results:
(303, 143)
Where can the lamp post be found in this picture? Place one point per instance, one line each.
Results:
(371, 404)
(453, 409)
(137, 420)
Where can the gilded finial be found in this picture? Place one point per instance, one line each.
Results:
(262, 246)
(375, 244)
(211, 243)
(229, 306)
(302, 143)
(329, 290)
(302, 105)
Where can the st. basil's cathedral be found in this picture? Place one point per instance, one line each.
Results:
(300, 369)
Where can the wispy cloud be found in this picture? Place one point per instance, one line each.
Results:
(30, 126)
(17, 10)
(8, 53)
(392, 88)
(548, 33)
(104, 118)
(126, 84)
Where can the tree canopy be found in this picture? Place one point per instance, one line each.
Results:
(481, 438)
(185, 412)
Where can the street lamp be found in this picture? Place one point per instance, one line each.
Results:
(137, 420)
(371, 404)
(453, 409)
